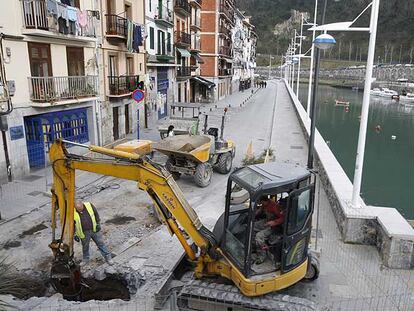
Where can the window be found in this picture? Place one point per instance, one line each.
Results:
(299, 211)
(113, 65)
(40, 60)
(237, 228)
(168, 42)
(150, 5)
(128, 12)
(151, 37)
(129, 66)
(251, 177)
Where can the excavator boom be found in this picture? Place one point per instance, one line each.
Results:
(168, 199)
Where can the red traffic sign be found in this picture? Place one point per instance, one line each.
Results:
(138, 95)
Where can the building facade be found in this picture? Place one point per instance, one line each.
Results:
(122, 66)
(160, 59)
(50, 61)
(244, 40)
(217, 18)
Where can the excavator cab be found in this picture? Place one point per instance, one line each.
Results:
(245, 235)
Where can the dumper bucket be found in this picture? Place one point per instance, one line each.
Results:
(192, 147)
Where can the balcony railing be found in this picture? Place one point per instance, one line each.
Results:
(121, 85)
(165, 57)
(116, 25)
(225, 50)
(224, 30)
(165, 16)
(36, 15)
(225, 72)
(181, 37)
(183, 71)
(226, 11)
(182, 6)
(54, 89)
(199, 2)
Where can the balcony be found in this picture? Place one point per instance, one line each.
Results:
(164, 17)
(62, 89)
(182, 7)
(224, 30)
(183, 72)
(120, 86)
(165, 57)
(116, 27)
(37, 21)
(195, 23)
(227, 11)
(182, 38)
(197, 2)
(225, 50)
(225, 72)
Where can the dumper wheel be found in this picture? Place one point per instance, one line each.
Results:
(203, 173)
(224, 163)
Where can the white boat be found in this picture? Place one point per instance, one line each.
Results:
(388, 93)
(376, 92)
(407, 98)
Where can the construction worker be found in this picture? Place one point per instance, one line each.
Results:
(274, 217)
(87, 227)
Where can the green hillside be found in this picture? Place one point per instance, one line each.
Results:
(395, 32)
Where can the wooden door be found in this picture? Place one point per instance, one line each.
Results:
(115, 129)
(75, 61)
(127, 119)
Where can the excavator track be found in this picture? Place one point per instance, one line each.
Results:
(204, 295)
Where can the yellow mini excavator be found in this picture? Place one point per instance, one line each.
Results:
(227, 252)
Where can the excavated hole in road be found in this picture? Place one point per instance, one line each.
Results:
(111, 287)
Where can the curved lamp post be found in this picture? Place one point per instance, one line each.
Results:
(321, 42)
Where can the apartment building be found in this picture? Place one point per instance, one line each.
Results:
(122, 66)
(217, 18)
(160, 59)
(200, 88)
(51, 67)
(182, 42)
(244, 41)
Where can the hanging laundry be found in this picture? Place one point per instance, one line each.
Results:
(130, 36)
(144, 33)
(137, 42)
(83, 18)
(52, 7)
(67, 2)
(72, 13)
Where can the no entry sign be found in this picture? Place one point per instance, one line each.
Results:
(138, 95)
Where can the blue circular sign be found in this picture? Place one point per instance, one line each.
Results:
(138, 95)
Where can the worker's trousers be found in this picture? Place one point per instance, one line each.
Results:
(97, 237)
(262, 233)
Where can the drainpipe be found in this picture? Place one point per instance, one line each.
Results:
(145, 72)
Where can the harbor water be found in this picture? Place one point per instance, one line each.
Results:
(388, 175)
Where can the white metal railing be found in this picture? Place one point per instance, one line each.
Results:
(53, 89)
(36, 16)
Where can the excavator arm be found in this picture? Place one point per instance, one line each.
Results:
(168, 199)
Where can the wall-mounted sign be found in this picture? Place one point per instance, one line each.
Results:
(16, 132)
(138, 95)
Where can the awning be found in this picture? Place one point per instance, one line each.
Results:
(201, 80)
(198, 57)
(184, 53)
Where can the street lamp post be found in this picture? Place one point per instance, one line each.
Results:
(313, 107)
(311, 62)
(359, 162)
(300, 55)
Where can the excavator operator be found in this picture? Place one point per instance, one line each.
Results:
(273, 218)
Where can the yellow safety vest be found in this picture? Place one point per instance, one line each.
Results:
(78, 224)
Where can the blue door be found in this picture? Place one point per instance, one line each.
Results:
(43, 129)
